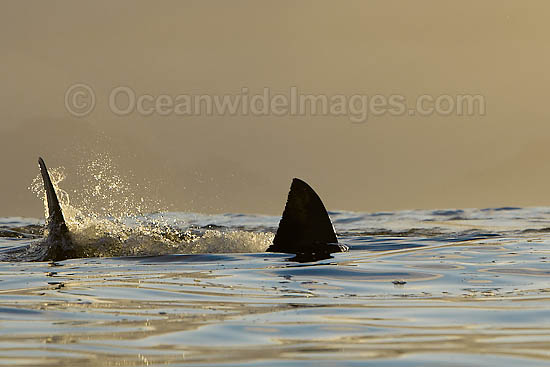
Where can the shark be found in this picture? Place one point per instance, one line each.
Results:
(305, 229)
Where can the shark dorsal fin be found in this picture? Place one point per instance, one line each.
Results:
(305, 222)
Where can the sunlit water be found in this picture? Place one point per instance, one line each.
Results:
(417, 288)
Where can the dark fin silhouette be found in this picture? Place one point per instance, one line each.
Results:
(59, 243)
(305, 227)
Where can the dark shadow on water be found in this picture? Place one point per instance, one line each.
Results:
(195, 258)
(393, 242)
(208, 258)
(504, 208)
(309, 258)
(341, 272)
(448, 212)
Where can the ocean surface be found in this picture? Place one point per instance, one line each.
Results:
(417, 288)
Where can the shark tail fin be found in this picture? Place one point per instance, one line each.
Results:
(58, 234)
(305, 225)
(54, 209)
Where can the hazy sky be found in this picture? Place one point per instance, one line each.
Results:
(222, 163)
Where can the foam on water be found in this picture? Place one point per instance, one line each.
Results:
(107, 219)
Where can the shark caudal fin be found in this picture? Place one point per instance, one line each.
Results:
(305, 226)
(54, 209)
(59, 240)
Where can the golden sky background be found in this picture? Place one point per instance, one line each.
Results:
(499, 49)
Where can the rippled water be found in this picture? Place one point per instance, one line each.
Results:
(417, 288)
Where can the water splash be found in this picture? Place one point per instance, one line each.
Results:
(108, 193)
(108, 218)
(37, 187)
